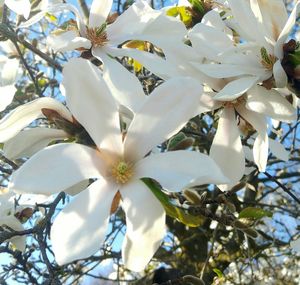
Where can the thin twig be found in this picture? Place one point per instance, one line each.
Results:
(282, 187)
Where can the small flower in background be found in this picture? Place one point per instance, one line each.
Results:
(8, 218)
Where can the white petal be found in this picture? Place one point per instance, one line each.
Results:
(207, 103)
(280, 76)
(270, 103)
(261, 144)
(227, 149)
(123, 85)
(57, 168)
(260, 151)
(141, 22)
(55, 8)
(164, 113)
(246, 21)
(278, 50)
(177, 170)
(79, 229)
(209, 41)
(9, 72)
(236, 88)
(92, 104)
(23, 115)
(258, 121)
(99, 12)
(131, 22)
(7, 94)
(228, 70)
(20, 7)
(271, 17)
(145, 225)
(278, 150)
(30, 141)
(67, 41)
(159, 66)
(213, 19)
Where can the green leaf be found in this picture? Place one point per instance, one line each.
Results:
(254, 213)
(218, 272)
(198, 6)
(185, 17)
(171, 210)
(294, 58)
(173, 12)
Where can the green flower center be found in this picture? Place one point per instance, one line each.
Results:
(122, 172)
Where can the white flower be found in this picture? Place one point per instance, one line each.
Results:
(7, 211)
(138, 22)
(266, 23)
(263, 27)
(254, 106)
(117, 163)
(8, 75)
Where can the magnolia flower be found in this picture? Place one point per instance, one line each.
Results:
(117, 163)
(256, 60)
(8, 75)
(7, 217)
(18, 142)
(20, 7)
(254, 107)
(138, 22)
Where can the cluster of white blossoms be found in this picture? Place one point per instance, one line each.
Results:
(231, 62)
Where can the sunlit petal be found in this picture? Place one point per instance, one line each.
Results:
(57, 168)
(280, 76)
(79, 229)
(92, 104)
(7, 95)
(164, 113)
(30, 141)
(189, 168)
(270, 103)
(227, 149)
(124, 86)
(67, 41)
(99, 12)
(236, 88)
(145, 225)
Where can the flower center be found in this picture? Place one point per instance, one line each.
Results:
(122, 172)
(268, 60)
(97, 36)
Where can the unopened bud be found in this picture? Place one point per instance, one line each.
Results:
(24, 215)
